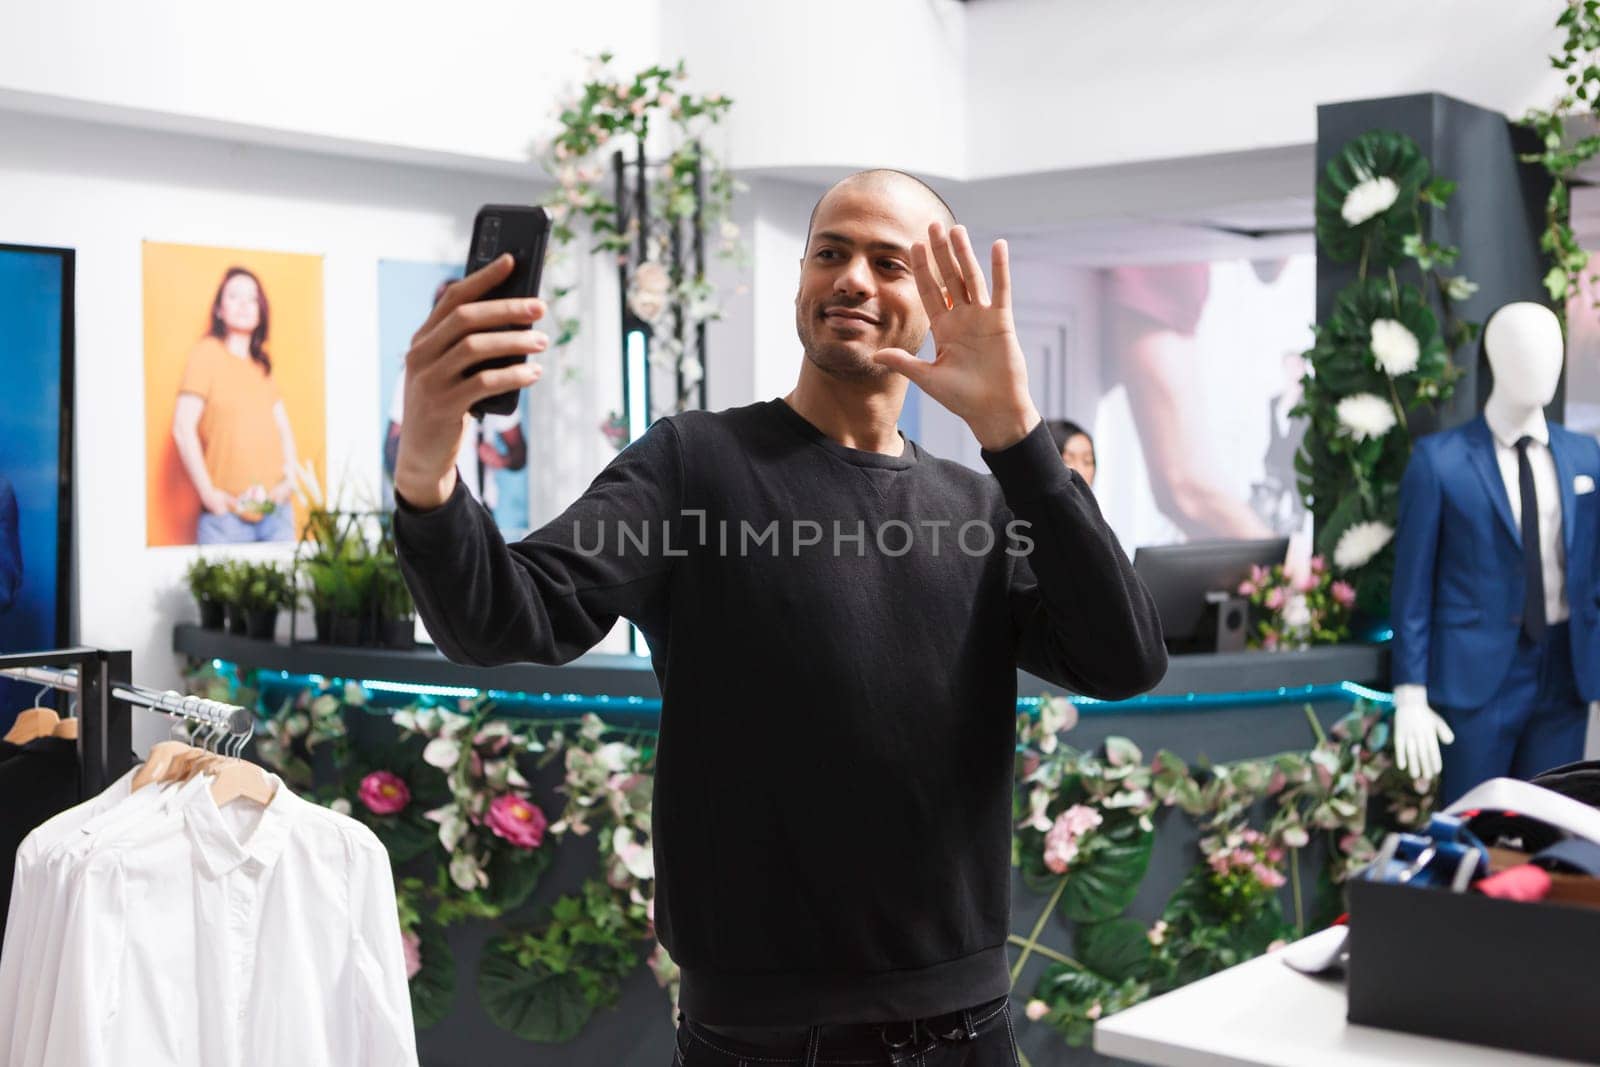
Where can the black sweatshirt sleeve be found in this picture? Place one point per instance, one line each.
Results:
(1082, 619)
(553, 595)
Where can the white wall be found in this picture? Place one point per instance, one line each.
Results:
(102, 190)
(471, 78)
(1053, 85)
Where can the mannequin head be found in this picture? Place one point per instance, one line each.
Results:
(1525, 349)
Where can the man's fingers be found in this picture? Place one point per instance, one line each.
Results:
(466, 290)
(898, 359)
(971, 270)
(477, 347)
(496, 380)
(933, 301)
(949, 269)
(1000, 269)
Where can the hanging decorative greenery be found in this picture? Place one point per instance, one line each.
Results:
(1579, 60)
(1381, 353)
(609, 114)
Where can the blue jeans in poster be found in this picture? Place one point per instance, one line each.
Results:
(230, 529)
(979, 1036)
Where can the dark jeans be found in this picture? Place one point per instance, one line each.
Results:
(979, 1036)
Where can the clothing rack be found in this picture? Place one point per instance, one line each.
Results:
(106, 698)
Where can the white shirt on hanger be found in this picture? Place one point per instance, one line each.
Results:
(1546, 490)
(240, 936)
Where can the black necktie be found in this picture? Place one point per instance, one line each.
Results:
(1533, 620)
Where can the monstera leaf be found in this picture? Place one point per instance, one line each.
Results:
(433, 988)
(1375, 154)
(1117, 949)
(1106, 880)
(532, 1002)
(1343, 353)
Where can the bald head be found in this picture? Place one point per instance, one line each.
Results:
(883, 178)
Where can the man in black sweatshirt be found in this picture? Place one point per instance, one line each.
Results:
(835, 618)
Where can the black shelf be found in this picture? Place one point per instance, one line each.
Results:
(594, 674)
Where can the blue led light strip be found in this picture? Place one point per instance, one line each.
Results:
(521, 704)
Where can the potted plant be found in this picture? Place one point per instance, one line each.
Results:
(266, 590)
(205, 585)
(392, 604)
(231, 580)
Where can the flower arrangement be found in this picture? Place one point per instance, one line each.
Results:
(1296, 611)
(606, 114)
(1381, 353)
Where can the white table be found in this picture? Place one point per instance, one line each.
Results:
(1263, 1012)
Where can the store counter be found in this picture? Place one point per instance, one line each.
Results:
(1261, 1012)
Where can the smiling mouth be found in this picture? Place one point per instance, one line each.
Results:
(846, 317)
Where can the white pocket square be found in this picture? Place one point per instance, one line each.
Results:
(1582, 484)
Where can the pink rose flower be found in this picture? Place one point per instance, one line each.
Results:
(411, 946)
(384, 793)
(515, 820)
(1275, 598)
(1247, 588)
(1318, 564)
(1343, 594)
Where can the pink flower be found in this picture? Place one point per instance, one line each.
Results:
(384, 793)
(1343, 594)
(1247, 588)
(1305, 582)
(1267, 876)
(1258, 574)
(514, 819)
(411, 946)
(1030, 763)
(1318, 564)
(1061, 843)
(1036, 1010)
(1276, 783)
(1275, 598)
(1094, 1011)
(1269, 641)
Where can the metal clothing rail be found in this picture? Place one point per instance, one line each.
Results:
(106, 697)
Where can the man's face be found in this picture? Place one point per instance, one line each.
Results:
(857, 293)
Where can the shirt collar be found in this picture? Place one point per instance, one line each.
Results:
(221, 852)
(1508, 433)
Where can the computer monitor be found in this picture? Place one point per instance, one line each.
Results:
(1180, 576)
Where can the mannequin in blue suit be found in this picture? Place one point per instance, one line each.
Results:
(1496, 648)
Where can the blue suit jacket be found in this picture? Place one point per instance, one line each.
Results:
(1458, 581)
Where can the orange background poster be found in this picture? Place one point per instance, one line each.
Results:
(180, 282)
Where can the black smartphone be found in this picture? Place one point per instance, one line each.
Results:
(525, 233)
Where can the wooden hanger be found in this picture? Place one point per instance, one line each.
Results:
(67, 728)
(31, 725)
(238, 779)
(165, 758)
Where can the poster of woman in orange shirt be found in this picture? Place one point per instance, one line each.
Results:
(230, 412)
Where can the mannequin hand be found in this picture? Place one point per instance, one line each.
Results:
(216, 501)
(1418, 732)
(1591, 743)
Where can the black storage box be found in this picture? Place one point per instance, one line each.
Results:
(1466, 967)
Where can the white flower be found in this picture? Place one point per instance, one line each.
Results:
(442, 753)
(340, 805)
(1394, 347)
(1036, 1010)
(1365, 415)
(638, 858)
(1360, 543)
(467, 873)
(729, 230)
(1297, 613)
(1157, 933)
(615, 756)
(1372, 197)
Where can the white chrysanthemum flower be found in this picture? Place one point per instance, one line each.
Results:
(1360, 543)
(1365, 415)
(1372, 197)
(1394, 347)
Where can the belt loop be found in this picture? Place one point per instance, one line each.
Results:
(966, 1020)
(813, 1040)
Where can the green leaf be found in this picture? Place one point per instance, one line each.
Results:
(433, 988)
(514, 874)
(1377, 153)
(1118, 949)
(1120, 752)
(1101, 886)
(531, 1002)
(406, 838)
